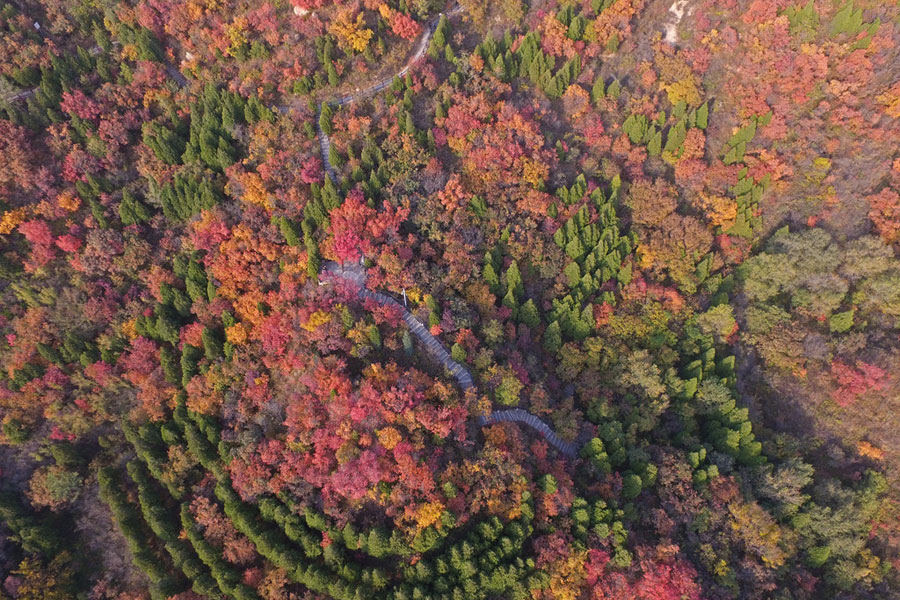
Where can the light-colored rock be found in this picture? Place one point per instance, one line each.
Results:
(677, 9)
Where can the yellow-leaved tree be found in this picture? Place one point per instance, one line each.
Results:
(351, 32)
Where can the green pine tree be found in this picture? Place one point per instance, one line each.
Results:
(169, 363)
(212, 344)
(631, 486)
(490, 278)
(449, 55)
(675, 138)
(575, 249)
(615, 88)
(377, 543)
(509, 301)
(333, 79)
(289, 231)
(703, 116)
(313, 261)
(334, 157)
(654, 147)
(325, 119)
(132, 211)
(514, 280)
(528, 314)
(99, 213)
(552, 338)
(375, 336)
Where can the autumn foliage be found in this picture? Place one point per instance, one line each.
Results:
(394, 299)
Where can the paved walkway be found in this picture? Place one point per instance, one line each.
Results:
(518, 415)
(421, 48)
(356, 276)
(325, 147)
(95, 50)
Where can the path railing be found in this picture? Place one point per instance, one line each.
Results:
(324, 140)
(356, 277)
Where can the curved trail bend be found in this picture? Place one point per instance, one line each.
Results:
(421, 47)
(356, 277)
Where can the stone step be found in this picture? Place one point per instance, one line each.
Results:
(462, 375)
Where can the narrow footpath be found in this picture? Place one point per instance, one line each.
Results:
(421, 48)
(356, 277)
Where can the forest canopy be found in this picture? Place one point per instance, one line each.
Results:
(414, 299)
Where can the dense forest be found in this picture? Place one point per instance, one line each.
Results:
(414, 299)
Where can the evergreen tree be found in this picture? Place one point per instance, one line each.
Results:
(181, 303)
(490, 278)
(169, 363)
(325, 116)
(575, 249)
(190, 356)
(99, 213)
(377, 543)
(703, 116)
(577, 28)
(615, 88)
(675, 138)
(509, 301)
(148, 47)
(514, 280)
(313, 262)
(598, 91)
(654, 146)
(631, 486)
(101, 37)
(375, 336)
(439, 39)
(613, 43)
(255, 111)
(228, 116)
(334, 157)
(528, 314)
(333, 79)
(212, 345)
(449, 56)
(166, 144)
(166, 329)
(132, 211)
(289, 231)
(225, 154)
(552, 338)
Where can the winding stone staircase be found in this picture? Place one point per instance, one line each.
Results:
(356, 277)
